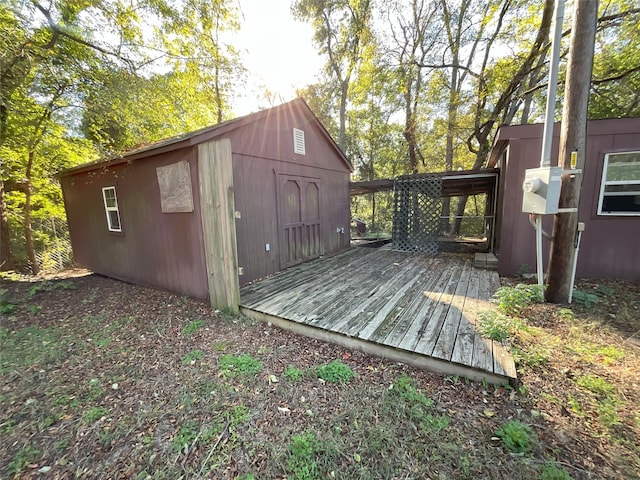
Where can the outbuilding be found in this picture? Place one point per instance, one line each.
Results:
(205, 212)
(609, 201)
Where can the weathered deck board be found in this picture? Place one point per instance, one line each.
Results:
(443, 347)
(463, 347)
(406, 306)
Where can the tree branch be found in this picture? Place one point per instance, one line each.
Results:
(613, 78)
(62, 31)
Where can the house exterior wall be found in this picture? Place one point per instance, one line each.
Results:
(610, 246)
(154, 248)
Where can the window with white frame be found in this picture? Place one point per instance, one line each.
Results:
(620, 190)
(111, 209)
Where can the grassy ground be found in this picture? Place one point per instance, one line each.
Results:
(101, 379)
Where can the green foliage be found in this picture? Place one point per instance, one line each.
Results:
(513, 300)
(565, 314)
(335, 372)
(192, 327)
(495, 325)
(301, 462)
(94, 414)
(595, 384)
(185, 436)
(49, 286)
(551, 471)
(233, 366)
(435, 423)
(7, 307)
(21, 459)
(523, 270)
(534, 355)
(404, 389)
(516, 436)
(293, 374)
(608, 412)
(29, 346)
(585, 299)
(192, 357)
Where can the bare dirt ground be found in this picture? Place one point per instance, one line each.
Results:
(103, 379)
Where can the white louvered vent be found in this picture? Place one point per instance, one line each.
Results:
(298, 141)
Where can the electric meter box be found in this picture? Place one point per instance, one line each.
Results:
(541, 190)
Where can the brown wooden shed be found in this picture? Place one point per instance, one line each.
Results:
(609, 202)
(208, 211)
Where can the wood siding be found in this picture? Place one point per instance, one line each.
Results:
(262, 152)
(154, 248)
(609, 245)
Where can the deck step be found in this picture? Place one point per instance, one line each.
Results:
(485, 261)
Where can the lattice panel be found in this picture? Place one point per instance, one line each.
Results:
(416, 213)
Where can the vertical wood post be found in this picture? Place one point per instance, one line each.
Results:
(572, 137)
(217, 210)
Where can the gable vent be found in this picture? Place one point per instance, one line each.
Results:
(298, 141)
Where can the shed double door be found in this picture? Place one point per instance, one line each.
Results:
(299, 219)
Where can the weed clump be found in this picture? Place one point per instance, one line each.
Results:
(552, 472)
(301, 457)
(495, 325)
(516, 436)
(513, 300)
(232, 366)
(335, 372)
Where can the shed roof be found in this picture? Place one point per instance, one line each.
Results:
(205, 134)
(456, 183)
(606, 126)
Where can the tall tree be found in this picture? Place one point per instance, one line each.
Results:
(61, 63)
(413, 36)
(342, 29)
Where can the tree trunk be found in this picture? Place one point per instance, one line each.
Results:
(572, 138)
(6, 256)
(373, 212)
(28, 231)
(344, 91)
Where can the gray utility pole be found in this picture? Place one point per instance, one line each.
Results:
(572, 138)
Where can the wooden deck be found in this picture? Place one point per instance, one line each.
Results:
(408, 307)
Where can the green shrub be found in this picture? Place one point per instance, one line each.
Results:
(495, 325)
(335, 372)
(513, 300)
(585, 299)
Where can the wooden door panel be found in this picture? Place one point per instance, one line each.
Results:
(299, 219)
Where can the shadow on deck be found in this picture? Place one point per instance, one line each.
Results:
(407, 307)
